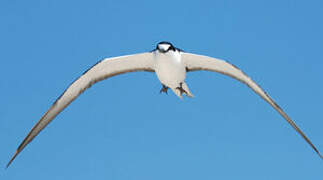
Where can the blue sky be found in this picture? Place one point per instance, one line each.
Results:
(122, 128)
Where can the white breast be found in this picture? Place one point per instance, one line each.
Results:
(169, 68)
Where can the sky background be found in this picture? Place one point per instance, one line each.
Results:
(123, 129)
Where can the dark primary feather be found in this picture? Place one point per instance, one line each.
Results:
(198, 62)
(100, 71)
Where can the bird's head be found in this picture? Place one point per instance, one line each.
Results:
(165, 47)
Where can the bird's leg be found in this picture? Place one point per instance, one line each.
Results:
(180, 88)
(164, 89)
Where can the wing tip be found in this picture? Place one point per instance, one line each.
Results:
(13, 158)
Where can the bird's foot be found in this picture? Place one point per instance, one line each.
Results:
(180, 88)
(164, 89)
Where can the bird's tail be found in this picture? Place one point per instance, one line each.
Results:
(186, 91)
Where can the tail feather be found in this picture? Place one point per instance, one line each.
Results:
(186, 91)
(177, 92)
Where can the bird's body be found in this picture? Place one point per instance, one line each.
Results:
(169, 68)
(171, 71)
(170, 65)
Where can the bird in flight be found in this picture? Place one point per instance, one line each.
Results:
(170, 65)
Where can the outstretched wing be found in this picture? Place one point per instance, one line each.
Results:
(102, 70)
(195, 62)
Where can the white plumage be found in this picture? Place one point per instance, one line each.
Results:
(170, 65)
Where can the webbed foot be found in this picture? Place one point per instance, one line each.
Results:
(164, 89)
(180, 88)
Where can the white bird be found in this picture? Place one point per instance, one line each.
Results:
(170, 65)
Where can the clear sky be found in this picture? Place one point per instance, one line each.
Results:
(122, 128)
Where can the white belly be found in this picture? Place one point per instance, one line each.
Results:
(169, 69)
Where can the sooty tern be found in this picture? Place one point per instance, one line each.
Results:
(170, 65)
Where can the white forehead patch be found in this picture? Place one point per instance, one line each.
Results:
(164, 47)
